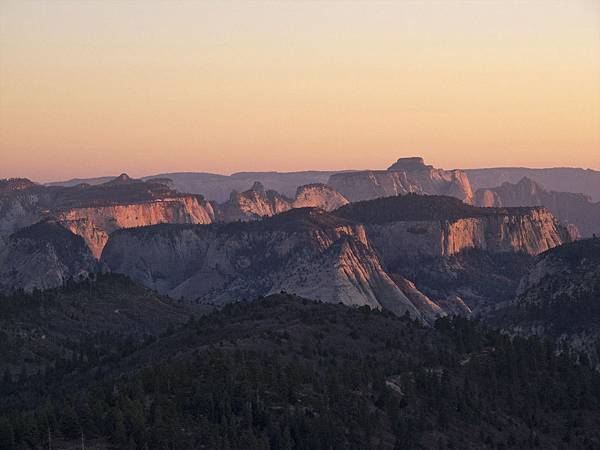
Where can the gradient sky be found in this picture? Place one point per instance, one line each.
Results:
(95, 88)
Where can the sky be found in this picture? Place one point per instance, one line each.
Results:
(91, 88)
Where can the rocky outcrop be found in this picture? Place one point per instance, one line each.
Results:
(318, 195)
(569, 208)
(95, 224)
(558, 298)
(256, 202)
(428, 226)
(93, 212)
(303, 251)
(461, 257)
(407, 175)
(43, 256)
(252, 204)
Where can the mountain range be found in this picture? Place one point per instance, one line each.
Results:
(217, 187)
(402, 308)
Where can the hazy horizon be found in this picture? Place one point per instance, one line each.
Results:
(90, 89)
(143, 175)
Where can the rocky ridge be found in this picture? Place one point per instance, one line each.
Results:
(93, 212)
(352, 255)
(461, 257)
(305, 251)
(43, 256)
(257, 202)
(407, 175)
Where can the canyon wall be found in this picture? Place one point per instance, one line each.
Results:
(407, 175)
(256, 202)
(531, 232)
(95, 224)
(304, 251)
(43, 256)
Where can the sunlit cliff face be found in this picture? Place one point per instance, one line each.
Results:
(99, 88)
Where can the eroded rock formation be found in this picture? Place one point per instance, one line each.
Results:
(42, 256)
(407, 175)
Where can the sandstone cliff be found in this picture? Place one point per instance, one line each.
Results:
(318, 196)
(95, 224)
(95, 211)
(567, 207)
(252, 204)
(256, 202)
(413, 225)
(303, 251)
(43, 255)
(407, 175)
(461, 257)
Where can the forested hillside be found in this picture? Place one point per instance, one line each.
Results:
(284, 372)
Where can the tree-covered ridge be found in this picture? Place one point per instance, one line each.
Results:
(49, 231)
(82, 321)
(283, 372)
(415, 207)
(575, 252)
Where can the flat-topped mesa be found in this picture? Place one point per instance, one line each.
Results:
(410, 163)
(435, 226)
(94, 211)
(305, 251)
(406, 175)
(96, 223)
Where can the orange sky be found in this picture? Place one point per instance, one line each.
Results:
(94, 88)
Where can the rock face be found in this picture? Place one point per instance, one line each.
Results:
(95, 224)
(43, 256)
(357, 255)
(461, 257)
(569, 208)
(93, 212)
(559, 298)
(304, 251)
(407, 175)
(256, 202)
(252, 204)
(432, 226)
(20, 205)
(318, 196)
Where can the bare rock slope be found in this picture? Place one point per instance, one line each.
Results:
(93, 212)
(305, 251)
(43, 256)
(257, 202)
(407, 175)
